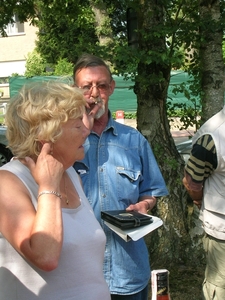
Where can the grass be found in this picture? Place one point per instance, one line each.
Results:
(186, 283)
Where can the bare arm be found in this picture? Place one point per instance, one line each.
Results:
(201, 164)
(35, 235)
(196, 195)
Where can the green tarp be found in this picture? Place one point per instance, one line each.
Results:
(123, 97)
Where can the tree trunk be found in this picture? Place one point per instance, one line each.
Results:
(212, 65)
(171, 244)
(102, 22)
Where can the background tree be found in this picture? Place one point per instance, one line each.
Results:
(87, 26)
(25, 10)
(66, 29)
(153, 90)
(211, 57)
(152, 81)
(103, 29)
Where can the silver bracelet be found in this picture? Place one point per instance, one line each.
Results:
(50, 192)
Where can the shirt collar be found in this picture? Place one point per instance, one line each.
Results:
(111, 125)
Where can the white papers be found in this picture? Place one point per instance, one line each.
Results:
(138, 232)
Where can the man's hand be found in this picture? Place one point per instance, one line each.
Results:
(143, 206)
(196, 196)
(198, 203)
(94, 110)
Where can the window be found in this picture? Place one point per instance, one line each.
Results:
(15, 28)
(4, 80)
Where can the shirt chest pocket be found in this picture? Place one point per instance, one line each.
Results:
(128, 182)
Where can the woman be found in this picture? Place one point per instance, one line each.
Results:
(51, 245)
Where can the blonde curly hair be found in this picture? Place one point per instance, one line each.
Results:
(38, 112)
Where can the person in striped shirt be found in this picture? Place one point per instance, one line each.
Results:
(204, 180)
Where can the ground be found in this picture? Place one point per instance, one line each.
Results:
(185, 283)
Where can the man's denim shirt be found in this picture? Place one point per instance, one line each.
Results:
(118, 168)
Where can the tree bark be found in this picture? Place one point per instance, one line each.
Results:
(211, 56)
(171, 243)
(102, 22)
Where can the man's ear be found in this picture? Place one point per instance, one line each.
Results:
(112, 87)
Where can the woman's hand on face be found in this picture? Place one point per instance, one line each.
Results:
(47, 171)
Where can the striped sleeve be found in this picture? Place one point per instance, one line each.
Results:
(203, 159)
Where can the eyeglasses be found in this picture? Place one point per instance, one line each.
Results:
(102, 87)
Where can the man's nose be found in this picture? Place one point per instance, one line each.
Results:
(94, 91)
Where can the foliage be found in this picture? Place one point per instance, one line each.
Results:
(63, 67)
(67, 36)
(77, 32)
(15, 75)
(35, 64)
(189, 111)
(179, 19)
(127, 115)
(25, 10)
(223, 49)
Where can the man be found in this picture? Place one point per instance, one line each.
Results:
(119, 171)
(205, 182)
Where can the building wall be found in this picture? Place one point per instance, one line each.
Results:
(14, 51)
